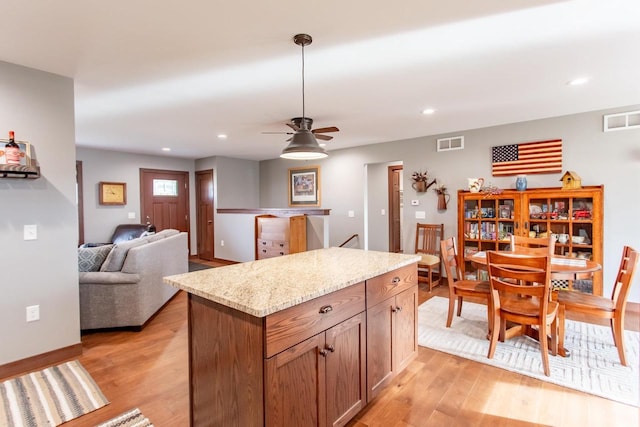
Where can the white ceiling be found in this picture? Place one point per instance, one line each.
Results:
(151, 74)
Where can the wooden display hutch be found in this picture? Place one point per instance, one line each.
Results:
(278, 236)
(485, 222)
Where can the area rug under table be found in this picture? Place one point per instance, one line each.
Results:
(592, 367)
(49, 397)
(132, 418)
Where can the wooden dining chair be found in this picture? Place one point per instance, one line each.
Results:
(459, 287)
(597, 307)
(428, 237)
(520, 287)
(533, 245)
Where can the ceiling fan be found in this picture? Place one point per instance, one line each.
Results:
(303, 144)
(298, 123)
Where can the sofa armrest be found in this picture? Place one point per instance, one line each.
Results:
(107, 278)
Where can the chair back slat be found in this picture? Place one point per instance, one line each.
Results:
(520, 275)
(428, 237)
(624, 278)
(533, 245)
(450, 260)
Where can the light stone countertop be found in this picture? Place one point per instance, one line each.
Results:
(263, 287)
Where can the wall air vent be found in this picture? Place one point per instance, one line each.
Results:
(620, 121)
(452, 143)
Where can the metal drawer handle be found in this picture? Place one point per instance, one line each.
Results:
(325, 309)
(331, 348)
(396, 309)
(395, 280)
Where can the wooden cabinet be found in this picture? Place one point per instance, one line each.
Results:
(392, 303)
(320, 381)
(574, 215)
(306, 365)
(278, 236)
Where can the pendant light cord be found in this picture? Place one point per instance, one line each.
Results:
(303, 114)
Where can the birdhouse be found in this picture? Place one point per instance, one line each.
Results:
(571, 180)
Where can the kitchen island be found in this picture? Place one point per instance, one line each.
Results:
(304, 339)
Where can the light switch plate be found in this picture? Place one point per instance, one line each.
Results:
(132, 215)
(351, 214)
(421, 215)
(415, 202)
(30, 232)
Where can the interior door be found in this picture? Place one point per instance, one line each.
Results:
(204, 214)
(165, 199)
(395, 182)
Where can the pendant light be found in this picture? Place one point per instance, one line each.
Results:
(303, 145)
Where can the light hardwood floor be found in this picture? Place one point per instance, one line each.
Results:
(148, 370)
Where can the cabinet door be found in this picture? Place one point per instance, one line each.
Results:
(346, 370)
(405, 335)
(295, 385)
(379, 346)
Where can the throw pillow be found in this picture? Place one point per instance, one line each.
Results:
(116, 257)
(91, 258)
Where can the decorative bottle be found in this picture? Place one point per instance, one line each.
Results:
(521, 182)
(12, 150)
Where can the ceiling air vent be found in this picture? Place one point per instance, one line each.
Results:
(452, 143)
(620, 121)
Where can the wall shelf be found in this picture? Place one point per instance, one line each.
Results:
(19, 171)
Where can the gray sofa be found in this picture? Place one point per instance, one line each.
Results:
(127, 289)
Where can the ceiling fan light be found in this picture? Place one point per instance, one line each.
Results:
(303, 146)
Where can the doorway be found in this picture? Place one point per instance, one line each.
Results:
(204, 214)
(395, 208)
(164, 199)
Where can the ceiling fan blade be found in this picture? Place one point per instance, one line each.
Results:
(278, 133)
(325, 130)
(292, 126)
(323, 137)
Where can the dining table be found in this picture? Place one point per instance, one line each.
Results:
(561, 268)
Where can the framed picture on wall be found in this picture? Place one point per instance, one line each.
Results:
(304, 186)
(11, 155)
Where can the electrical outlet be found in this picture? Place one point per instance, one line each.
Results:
(31, 232)
(382, 212)
(131, 215)
(33, 313)
(221, 242)
(415, 202)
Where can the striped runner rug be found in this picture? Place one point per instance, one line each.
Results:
(592, 367)
(49, 397)
(132, 418)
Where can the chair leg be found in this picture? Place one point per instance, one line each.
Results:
(544, 347)
(430, 277)
(618, 337)
(493, 334)
(459, 306)
(554, 336)
(561, 314)
(452, 303)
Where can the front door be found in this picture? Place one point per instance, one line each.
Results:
(204, 214)
(165, 199)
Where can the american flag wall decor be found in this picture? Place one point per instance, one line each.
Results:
(528, 158)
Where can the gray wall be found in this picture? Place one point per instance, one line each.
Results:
(113, 166)
(611, 159)
(44, 272)
(235, 186)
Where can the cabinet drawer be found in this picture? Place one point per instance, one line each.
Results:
(271, 252)
(392, 283)
(266, 243)
(295, 324)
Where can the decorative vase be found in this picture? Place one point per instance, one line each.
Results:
(420, 186)
(521, 182)
(443, 198)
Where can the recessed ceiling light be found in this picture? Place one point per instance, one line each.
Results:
(322, 144)
(428, 111)
(222, 136)
(166, 149)
(579, 81)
